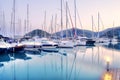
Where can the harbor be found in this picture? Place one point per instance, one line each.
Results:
(59, 40)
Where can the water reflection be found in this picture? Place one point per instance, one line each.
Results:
(79, 63)
(4, 57)
(113, 46)
(107, 76)
(32, 52)
(1, 64)
(19, 55)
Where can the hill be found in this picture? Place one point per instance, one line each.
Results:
(37, 32)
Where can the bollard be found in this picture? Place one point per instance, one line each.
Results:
(108, 66)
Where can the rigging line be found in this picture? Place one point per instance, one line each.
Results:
(69, 14)
(79, 19)
(71, 20)
(94, 25)
(70, 17)
(103, 25)
(80, 22)
(70, 30)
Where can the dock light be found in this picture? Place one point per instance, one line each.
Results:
(108, 60)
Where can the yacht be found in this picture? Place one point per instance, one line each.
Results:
(17, 47)
(31, 43)
(102, 41)
(65, 43)
(4, 46)
(84, 41)
(113, 41)
(47, 45)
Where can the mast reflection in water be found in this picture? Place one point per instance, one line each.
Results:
(79, 63)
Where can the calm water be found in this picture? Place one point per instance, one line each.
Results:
(80, 63)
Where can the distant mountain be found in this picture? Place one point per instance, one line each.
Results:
(70, 33)
(37, 32)
(111, 32)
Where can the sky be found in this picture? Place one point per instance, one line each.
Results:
(109, 11)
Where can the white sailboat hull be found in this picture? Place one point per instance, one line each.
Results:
(66, 44)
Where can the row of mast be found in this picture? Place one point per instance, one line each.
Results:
(26, 22)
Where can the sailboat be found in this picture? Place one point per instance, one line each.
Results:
(103, 40)
(16, 45)
(82, 40)
(65, 43)
(91, 41)
(4, 46)
(114, 39)
(30, 43)
(47, 45)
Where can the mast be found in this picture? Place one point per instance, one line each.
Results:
(19, 27)
(92, 28)
(75, 35)
(61, 39)
(55, 24)
(11, 25)
(98, 25)
(66, 18)
(113, 29)
(27, 18)
(61, 20)
(45, 24)
(25, 27)
(14, 17)
(4, 32)
(51, 26)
